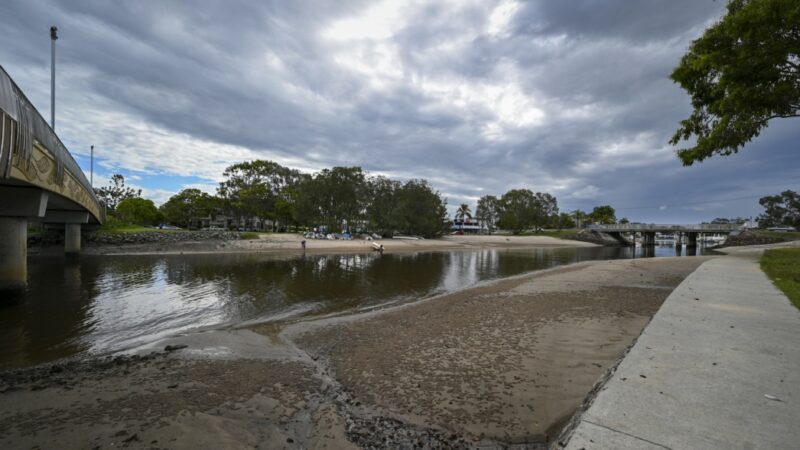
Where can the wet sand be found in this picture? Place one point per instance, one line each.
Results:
(290, 243)
(502, 363)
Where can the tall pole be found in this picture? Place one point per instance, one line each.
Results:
(91, 170)
(53, 37)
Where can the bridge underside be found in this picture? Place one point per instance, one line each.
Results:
(39, 182)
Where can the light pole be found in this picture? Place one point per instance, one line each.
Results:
(91, 170)
(53, 38)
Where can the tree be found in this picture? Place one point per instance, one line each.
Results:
(521, 209)
(564, 220)
(253, 189)
(624, 221)
(580, 218)
(189, 205)
(420, 210)
(743, 72)
(488, 211)
(116, 192)
(780, 210)
(335, 198)
(383, 194)
(463, 213)
(603, 215)
(139, 211)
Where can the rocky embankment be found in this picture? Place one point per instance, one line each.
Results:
(152, 237)
(101, 238)
(594, 238)
(753, 238)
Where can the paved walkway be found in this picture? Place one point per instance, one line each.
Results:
(717, 368)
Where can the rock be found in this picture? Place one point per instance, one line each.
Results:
(172, 348)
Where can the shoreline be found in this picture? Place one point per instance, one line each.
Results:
(391, 374)
(291, 244)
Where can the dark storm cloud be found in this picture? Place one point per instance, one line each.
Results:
(478, 97)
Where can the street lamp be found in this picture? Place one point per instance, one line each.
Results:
(53, 38)
(91, 170)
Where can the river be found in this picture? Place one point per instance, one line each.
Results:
(96, 305)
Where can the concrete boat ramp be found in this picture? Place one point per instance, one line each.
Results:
(718, 367)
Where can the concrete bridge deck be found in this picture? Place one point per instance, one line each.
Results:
(39, 182)
(687, 233)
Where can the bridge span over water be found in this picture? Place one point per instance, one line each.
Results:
(682, 233)
(39, 182)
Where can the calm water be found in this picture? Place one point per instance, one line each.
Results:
(98, 305)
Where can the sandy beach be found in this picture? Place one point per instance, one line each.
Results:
(291, 243)
(502, 363)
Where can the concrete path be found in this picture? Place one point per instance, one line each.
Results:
(717, 368)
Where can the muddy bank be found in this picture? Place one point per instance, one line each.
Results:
(502, 363)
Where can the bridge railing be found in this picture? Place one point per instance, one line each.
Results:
(31, 124)
(707, 227)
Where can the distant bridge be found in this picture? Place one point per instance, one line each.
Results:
(687, 233)
(39, 182)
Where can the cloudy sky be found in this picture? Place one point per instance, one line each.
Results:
(477, 97)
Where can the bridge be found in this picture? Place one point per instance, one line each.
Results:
(39, 182)
(687, 233)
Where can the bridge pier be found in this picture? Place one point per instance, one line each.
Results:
(13, 252)
(691, 239)
(72, 238)
(678, 239)
(649, 238)
(19, 204)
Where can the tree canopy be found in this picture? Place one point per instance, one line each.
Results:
(743, 72)
(780, 210)
(139, 211)
(188, 205)
(521, 209)
(605, 215)
(116, 192)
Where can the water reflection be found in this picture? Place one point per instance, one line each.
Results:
(104, 304)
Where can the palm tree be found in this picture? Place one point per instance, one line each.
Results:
(462, 213)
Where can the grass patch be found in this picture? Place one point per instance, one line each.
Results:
(782, 266)
(249, 235)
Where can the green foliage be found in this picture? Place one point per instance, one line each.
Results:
(603, 215)
(521, 209)
(420, 210)
(783, 268)
(488, 211)
(381, 214)
(336, 198)
(563, 220)
(189, 205)
(250, 235)
(259, 189)
(463, 212)
(138, 211)
(115, 192)
(780, 210)
(743, 72)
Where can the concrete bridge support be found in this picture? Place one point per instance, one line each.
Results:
(678, 239)
(649, 238)
(691, 239)
(72, 238)
(13, 252)
(19, 205)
